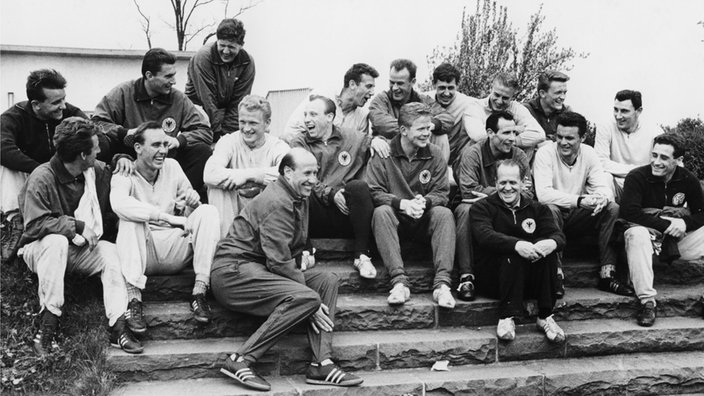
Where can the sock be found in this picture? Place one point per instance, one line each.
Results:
(199, 288)
(467, 278)
(560, 273)
(237, 358)
(323, 363)
(133, 292)
(607, 271)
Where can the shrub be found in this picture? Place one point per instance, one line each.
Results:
(692, 130)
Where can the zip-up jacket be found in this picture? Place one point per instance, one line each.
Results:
(384, 112)
(547, 122)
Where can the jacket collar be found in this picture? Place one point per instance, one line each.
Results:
(295, 197)
(62, 175)
(397, 150)
(488, 157)
(415, 97)
(141, 95)
(676, 177)
(335, 135)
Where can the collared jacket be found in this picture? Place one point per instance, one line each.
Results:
(399, 177)
(547, 122)
(642, 190)
(215, 84)
(341, 159)
(272, 230)
(481, 109)
(384, 112)
(128, 105)
(51, 196)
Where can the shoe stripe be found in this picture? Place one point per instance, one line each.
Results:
(244, 374)
(330, 375)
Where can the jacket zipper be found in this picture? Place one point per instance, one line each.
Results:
(48, 138)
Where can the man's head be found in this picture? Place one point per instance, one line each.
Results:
(230, 39)
(552, 90)
(402, 77)
(570, 132)
(414, 123)
(76, 141)
(151, 145)
(668, 152)
(628, 105)
(318, 116)
(159, 71)
(254, 118)
(300, 169)
(509, 180)
(45, 91)
(501, 130)
(503, 88)
(359, 80)
(445, 80)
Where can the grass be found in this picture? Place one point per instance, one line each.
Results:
(79, 367)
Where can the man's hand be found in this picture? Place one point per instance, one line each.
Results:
(601, 202)
(233, 180)
(479, 196)
(90, 237)
(593, 202)
(340, 201)
(677, 227)
(307, 260)
(527, 250)
(320, 321)
(190, 197)
(380, 146)
(545, 247)
(412, 208)
(172, 143)
(124, 167)
(131, 131)
(174, 221)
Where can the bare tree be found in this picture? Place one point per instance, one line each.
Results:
(146, 24)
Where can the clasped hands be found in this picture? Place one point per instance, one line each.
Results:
(414, 208)
(535, 251)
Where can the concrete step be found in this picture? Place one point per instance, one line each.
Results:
(649, 373)
(363, 312)
(384, 350)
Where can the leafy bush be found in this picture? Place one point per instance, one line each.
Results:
(692, 130)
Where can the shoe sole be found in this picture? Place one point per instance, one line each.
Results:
(343, 383)
(201, 319)
(250, 385)
(134, 351)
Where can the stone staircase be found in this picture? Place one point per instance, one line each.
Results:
(606, 352)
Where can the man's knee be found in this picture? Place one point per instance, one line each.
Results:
(357, 188)
(462, 212)
(441, 214)
(384, 215)
(637, 235)
(209, 212)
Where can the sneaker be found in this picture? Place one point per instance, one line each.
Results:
(506, 329)
(614, 286)
(443, 296)
(200, 308)
(560, 287)
(245, 375)
(121, 337)
(399, 294)
(365, 267)
(330, 374)
(552, 331)
(134, 317)
(45, 340)
(647, 314)
(465, 290)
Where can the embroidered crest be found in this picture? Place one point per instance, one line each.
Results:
(424, 176)
(168, 125)
(528, 225)
(344, 158)
(678, 199)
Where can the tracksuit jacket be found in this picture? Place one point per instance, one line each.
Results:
(384, 112)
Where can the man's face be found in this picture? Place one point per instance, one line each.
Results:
(445, 91)
(52, 107)
(362, 91)
(662, 160)
(568, 141)
(253, 127)
(163, 80)
(509, 184)
(154, 150)
(305, 176)
(554, 97)
(500, 96)
(315, 119)
(626, 115)
(504, 139)
(418, 134)
(400, 84)
(228, 50)
(89, 161)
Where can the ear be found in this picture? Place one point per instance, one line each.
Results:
(148, 75)
(413, 82)
(352, 84)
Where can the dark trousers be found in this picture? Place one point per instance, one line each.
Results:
(192, 159)
(513, 279)
(326, 221)
(250, 288)
(463, 249)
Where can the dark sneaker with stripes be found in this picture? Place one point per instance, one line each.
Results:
(330, 375)
(200, 308)
(245, 375)
(121, 337)
(614, 286)
(45, 340)
(135, 317)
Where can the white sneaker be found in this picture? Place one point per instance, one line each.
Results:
(399, 294)
(506, 329)
(552, 331)
(443, 296)
(365, 267)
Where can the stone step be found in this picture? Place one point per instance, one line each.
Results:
(365, 312)
(384, 350)
(647, 373)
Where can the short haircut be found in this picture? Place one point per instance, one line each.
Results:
(572, 119)
(411, 112)
(231, 29)
(507, 80)
(43, 78)
(492, 122)
(287, 160)
(153, 60)
(544, 79)
(673, 140)
(400, 64)
(330, 107)
(254, 103)
(73, 136)
(446, 72)
(356, 71)
(633, 96)
(138, 136)
(523, 171)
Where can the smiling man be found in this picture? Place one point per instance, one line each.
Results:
(549, 101)
(220, 74)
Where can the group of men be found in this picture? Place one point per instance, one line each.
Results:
(123, 195)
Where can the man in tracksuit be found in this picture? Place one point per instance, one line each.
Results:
(258, 270)
(410, 190)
